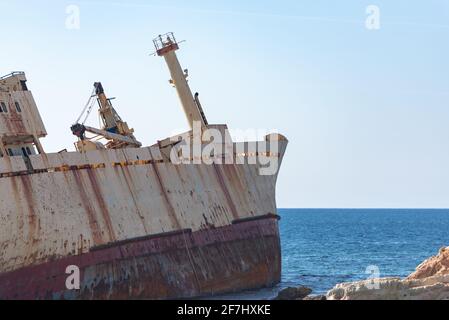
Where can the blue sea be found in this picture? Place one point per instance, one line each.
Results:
(323, 247)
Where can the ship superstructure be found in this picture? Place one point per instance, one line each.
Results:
(151, 222)
(21, 126)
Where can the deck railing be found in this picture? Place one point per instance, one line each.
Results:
(12, 74)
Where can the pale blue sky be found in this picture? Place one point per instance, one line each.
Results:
(366, 112)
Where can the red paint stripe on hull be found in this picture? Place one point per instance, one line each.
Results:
(241, 256)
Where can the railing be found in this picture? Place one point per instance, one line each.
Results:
(164, 40)
(12, 74)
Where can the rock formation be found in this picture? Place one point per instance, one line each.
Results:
(438, 265)
(430, 281)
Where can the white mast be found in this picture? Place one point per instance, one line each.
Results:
(166, 46)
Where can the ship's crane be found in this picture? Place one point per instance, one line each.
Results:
(114, 129)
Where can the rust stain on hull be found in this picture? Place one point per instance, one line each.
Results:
(33, 219)
(170, 210)
(103, 207)
(131, 189)
(226, 193)
(89, 209)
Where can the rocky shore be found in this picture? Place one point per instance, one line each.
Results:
(430, 281)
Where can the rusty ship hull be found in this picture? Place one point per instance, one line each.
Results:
(122, 221)
(136, 226)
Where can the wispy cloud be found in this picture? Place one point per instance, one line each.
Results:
(361, 21)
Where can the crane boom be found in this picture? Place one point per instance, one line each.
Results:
(114, 136)
(114, 128)
(80, 130)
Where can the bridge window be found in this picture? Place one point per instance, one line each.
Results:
(18, 107)
(3, 107)
(28, 151)
(24, 85)
(10, 152)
